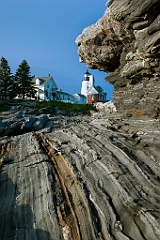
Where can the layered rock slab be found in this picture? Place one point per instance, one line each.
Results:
(125, 44)
(27, 189)
(96, 179)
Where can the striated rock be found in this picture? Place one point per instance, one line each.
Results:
(27, 203)
(95, 178)
(125, 43)
(20, 122)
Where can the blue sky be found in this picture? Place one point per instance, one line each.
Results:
(43, 32)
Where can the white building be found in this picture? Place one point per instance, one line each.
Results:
(79, 98)
(64, 97)
(45, 87)
(47, 90)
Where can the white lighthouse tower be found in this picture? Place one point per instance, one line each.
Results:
(87, 82)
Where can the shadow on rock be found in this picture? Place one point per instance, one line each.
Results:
(16, 221)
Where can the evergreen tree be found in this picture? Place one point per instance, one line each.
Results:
(6, 80)
(23, 81)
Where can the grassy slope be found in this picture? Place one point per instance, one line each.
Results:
(50, 106)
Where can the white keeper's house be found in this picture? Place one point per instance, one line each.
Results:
(45, 87)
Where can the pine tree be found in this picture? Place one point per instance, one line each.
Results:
(6, 80)
(23, 81)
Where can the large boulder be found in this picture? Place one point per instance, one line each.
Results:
(107, 107)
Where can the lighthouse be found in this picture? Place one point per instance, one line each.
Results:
(92, 93)
(87, 82)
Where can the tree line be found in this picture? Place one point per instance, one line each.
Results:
(15, 85)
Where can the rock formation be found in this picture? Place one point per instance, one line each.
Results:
(125, 42)
(92, 177)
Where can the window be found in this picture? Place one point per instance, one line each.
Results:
(41, 91)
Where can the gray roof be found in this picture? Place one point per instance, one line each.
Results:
(99, 89)
(43, 80)
(64, 93)
(81, 95)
